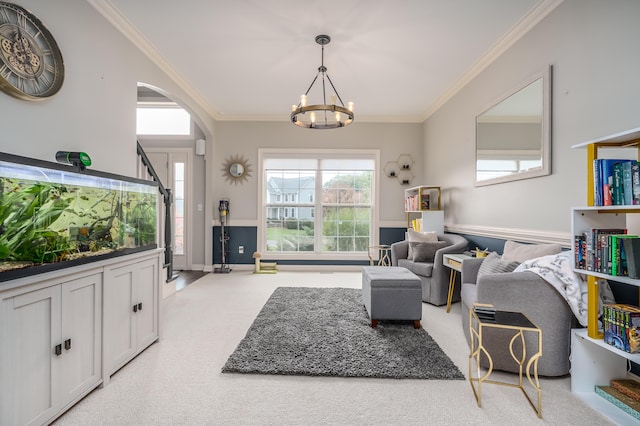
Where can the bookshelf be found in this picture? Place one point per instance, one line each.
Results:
(423, 203)
(588, 350)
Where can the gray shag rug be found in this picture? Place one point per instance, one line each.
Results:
(327, 332)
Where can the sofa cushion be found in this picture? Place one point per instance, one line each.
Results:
(519, 252)
(422, 237)
(426, 251)
(493, 264)
(424, 269)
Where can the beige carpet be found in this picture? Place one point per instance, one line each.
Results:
(178, 381)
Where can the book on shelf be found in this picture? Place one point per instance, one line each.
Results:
(616, 182)
(620, 400)
(621, 326)
(629, 387)
(619, 258)
(632, 253)
(635, 183)
(593, 249)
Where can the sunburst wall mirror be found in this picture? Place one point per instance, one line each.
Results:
(236, 169)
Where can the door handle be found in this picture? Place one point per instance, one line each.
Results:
(135, 308)
(67, 344)
(58, 350)
(140, 306)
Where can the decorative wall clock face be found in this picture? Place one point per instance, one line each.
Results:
(31, 66)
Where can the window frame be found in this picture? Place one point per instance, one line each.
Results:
(165, 136)
(315, 154)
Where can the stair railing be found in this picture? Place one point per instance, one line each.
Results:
(168, 199)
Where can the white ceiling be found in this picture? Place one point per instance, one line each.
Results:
(398, 61)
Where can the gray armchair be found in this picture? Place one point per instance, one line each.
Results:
(522, 292)
(433, 275)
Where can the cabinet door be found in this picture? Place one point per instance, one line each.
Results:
(29, 367)
(119, 331)
(81, 335)
(146, 293)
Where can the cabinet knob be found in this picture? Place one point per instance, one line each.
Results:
(140, 306)
(135, 308)
(58, 350)
(67, 344)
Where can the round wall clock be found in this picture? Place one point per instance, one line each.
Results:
(31, 66)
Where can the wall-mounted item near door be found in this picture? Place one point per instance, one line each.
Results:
(400, 169)
(236, 169)
(201, 147)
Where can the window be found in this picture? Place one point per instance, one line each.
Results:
(178, 197)
(328, 203)
(163, 120)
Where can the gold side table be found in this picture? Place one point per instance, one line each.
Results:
(454, 262)
(384, 255)
(518, 322)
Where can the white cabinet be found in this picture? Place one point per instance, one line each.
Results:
(131, 317)
(49, 349)
(594, 362)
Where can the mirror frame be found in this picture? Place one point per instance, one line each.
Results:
(545, 170)
(235, 161)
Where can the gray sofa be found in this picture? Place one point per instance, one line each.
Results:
(433, 275)
(521, 292)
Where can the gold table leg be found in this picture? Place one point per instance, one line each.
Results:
(452, 283)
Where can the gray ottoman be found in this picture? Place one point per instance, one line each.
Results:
(391, 293)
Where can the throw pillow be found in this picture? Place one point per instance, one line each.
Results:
(426, 251)
(422, 237)
(493, 264)
(519, 252)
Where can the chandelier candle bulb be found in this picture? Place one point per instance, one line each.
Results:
(294, 107)
(312, 116)
(334, 98)
(350, 106)
(303, 100)
(337, 116)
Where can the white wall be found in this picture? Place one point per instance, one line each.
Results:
(592, 46)
(245, 138)
(94, 111)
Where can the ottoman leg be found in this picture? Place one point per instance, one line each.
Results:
(374, 323)
(416, 324)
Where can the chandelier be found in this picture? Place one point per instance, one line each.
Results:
(325, 116)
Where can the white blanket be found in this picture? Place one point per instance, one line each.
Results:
(556, 270)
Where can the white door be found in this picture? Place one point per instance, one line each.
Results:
(173, 167)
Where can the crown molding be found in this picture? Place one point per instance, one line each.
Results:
(122, 24)
(537, 14)
(113, 16)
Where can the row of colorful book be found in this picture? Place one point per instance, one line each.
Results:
(621, 325)
(616, 182)
(416, 203)
(605, 251)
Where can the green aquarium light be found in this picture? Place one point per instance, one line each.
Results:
(78, 159)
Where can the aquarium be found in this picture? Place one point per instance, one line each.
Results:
(54, 216)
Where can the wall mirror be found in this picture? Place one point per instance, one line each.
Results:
(236, 169)
(513, 134)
